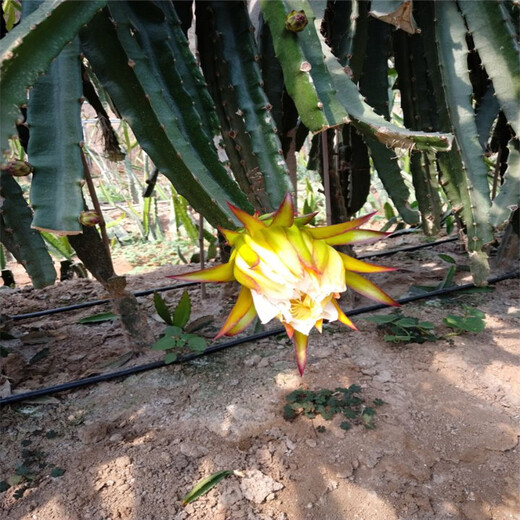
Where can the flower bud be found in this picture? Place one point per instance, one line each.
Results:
(89, 218)
(17, 168)
(296, 21)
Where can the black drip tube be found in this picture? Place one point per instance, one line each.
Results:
(92, 303)
(232, 343)
(146, 292)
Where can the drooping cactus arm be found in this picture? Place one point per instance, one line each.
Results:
(509, 197)
(324, 94)
(26, 244)
(495, 40)
(28, 50)
(56, 134)
(450, 33)
(138, 96)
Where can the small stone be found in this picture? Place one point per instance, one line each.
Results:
(193, 450)
(92, 433)
(383, 377)
(263, 363)
(252, 361)
(311, 443)
(256, 486)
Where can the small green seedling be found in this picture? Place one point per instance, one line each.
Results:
(471, 321)
(176, 340)
(404, 329)
(328, 403)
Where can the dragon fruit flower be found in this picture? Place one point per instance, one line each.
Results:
(290, 271)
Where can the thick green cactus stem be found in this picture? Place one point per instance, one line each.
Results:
(389, 172)
(139, 98)
(424, 177)
(450, 33)
(487, 112)
(298, 71)
(188, 69)
(333, 90)
(418, 114)
(349, 45)
(144, 33)
(451, 170)
(508, 199)
(236, 140)
(495, 40)
(374, 85)
(26, 244)
(28, 50)
(239, 50)
(54, 119)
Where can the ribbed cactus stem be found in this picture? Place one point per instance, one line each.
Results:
(26, 244)
(450, 31)
(139, 96)
(30, 47)
(496, 42)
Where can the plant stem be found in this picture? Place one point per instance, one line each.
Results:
(95, 202)
(201, 249)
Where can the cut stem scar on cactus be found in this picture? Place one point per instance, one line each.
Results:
(290, 271)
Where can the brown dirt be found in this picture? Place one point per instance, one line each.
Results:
(445, 444)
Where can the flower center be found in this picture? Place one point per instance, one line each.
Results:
(302, 308)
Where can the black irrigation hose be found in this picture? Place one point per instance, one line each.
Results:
(228, 344)
(408, 248)
(92, 303)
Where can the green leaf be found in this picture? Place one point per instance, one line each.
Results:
(477, 313)
(162, 308)
(14, 480)
(173, 331)
(165, 343)
(182, 312)
(289, 413)
(426, 325)
(345, 425)
(368, 418)
(57, 472)
(99, 318)
(447, 258)
(204, 485)
(196, 343)
(470, 324)
(171, 357)
(406, 322)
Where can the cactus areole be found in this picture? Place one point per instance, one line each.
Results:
(290, 271)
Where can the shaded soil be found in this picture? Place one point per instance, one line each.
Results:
(445, 445)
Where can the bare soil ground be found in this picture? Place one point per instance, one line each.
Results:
(445, 444)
